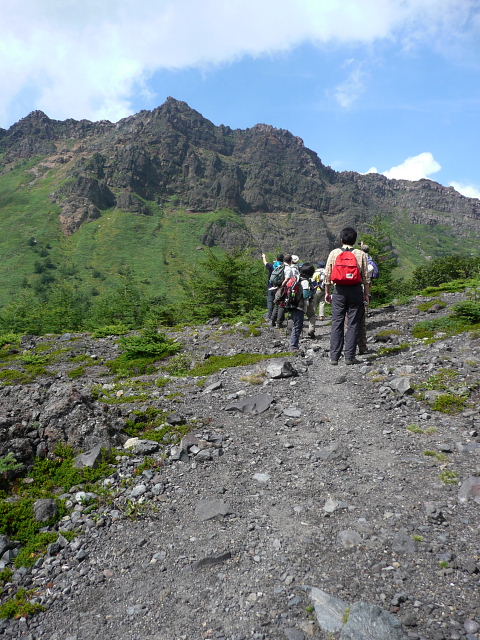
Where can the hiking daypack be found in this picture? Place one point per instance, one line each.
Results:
(293, 293)
(278, 276)
(374, 271)
(345, 269)
(318, 279)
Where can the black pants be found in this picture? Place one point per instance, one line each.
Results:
(270, 297)
(347, 301)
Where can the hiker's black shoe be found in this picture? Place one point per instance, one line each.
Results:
(354, 361)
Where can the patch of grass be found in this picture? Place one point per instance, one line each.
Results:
(162, 382)
(174, 395)
(390, 351)
(35, 547)
(449, 477)
(117, 395)
(387, 333)
(346, 615)
(449, 403)
(20, 606)
(29, 357)
(415, 428)
(77, 373)
(217, 363)
(418, 538)
(441, 380)
(178, 365)
(451, 287)
(9, 340)
(152, 425)
(447, 325)
(426, 306)
(438, 455)
(255, 378)
(443, 564)
(110, 330)
(81, 358)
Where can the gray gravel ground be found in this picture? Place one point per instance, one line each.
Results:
(326, 488)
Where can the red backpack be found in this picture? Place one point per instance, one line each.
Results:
(345, 269)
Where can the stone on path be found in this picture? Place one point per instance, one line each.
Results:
(292, 412)
(211, 508)
(370, 622)
(283, 369)
(253, 405)
(44, 509)
(349, 538)
(141, 447)
(90, 458)
(210, 561)
(470, 489)
(401, 385)
(328, 610)
(360, 621)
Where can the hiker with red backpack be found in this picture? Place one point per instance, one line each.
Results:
(347, 271)
(289, 269)
(298, 300)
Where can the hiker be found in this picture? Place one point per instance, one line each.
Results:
(290, 268)
(318, 281)
(298, 301)
(271, 288)
(346, 269)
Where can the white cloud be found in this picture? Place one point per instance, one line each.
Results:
(371, 170)
(350, 89)
(414, 168)
(88, 59)
(468, 190)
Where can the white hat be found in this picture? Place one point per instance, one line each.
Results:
(295, 259)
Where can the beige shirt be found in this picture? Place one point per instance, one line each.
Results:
(361, 257)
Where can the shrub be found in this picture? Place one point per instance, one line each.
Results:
(446, 269)
(469, 311)
(20, 605)
(449, 403)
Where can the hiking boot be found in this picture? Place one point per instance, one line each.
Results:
(362, 352)
(311, 334)
(354, 361)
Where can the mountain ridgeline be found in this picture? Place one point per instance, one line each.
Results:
(155, 187)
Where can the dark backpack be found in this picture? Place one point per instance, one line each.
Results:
(345, 269)
(278, 276)
(376, 271)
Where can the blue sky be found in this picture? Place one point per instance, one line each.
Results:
(386, 85)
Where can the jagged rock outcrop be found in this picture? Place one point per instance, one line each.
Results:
(174, 152)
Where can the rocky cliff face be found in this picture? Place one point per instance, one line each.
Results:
(261, 172)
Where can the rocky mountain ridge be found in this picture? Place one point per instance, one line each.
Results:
(305, 502)
(174, 155)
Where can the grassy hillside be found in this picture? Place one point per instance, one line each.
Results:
(158, 248)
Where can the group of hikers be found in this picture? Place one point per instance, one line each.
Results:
(344, 281)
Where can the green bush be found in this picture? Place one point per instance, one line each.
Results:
(20, 606)
(469, 311)
(225, 286)
(446, 269)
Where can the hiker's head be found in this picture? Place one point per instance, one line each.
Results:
(364, 247)
(288, 259)
(280, 257)
(307, 270)
(348, 235)
(295, 259)
(321, 264)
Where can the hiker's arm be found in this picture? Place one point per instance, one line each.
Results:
(264, 258)
(327, 279)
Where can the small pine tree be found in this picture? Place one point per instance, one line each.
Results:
(225, 286)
